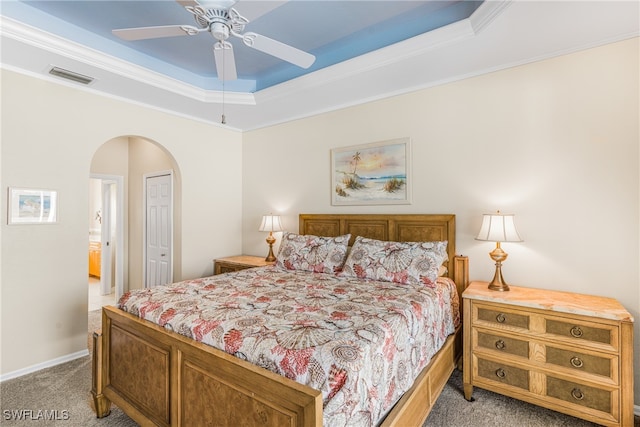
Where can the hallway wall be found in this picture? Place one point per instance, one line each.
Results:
(49, 135)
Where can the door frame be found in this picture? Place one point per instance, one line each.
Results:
(118, 180)
(106, 245)
(144, 222)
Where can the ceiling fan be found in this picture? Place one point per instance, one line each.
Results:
(219, 18)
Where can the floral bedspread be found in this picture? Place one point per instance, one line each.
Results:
(361, 342)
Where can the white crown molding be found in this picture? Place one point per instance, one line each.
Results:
(87, 88)
(486, 13)
(386, 56)
(68, 49)
(380, 58)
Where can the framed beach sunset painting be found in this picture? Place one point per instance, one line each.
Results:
(372, 174)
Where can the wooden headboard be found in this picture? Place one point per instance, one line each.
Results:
(393, 227)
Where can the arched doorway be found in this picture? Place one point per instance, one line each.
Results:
(130, 159)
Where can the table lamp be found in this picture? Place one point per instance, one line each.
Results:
(498, 228)
(270, 223)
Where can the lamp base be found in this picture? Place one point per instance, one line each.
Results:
(498, 284)
(270, 241)
(498, 255)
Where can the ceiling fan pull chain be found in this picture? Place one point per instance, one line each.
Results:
(223, 119)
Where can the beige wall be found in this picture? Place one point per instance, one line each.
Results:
(49, 135)
(555, 142)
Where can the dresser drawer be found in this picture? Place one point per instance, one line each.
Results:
(503, 344)
(228, 268)
(502, 373)
(579, 362)
(582, 333)
(502, 317)
(237, 263)
(580, 394)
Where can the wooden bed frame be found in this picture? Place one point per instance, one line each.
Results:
(158, 377)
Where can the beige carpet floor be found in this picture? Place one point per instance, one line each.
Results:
(63, 390)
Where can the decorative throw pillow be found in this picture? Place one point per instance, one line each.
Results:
(400, 262)
(312, 253)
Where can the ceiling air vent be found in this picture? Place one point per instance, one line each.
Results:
(70, 75)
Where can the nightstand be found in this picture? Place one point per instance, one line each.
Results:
(235, 263)
(568, 352)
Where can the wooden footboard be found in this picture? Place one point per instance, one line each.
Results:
(162, 378)
(414, 406)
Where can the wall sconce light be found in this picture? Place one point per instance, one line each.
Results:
(498, 228)
(270, 223)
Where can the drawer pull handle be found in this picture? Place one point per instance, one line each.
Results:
(576, 362)
(576, 332)
(577, 394)
(501, 318)
(500, 345)
(500, 373)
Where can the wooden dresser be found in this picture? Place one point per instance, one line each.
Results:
(568, 352)
(235, 263)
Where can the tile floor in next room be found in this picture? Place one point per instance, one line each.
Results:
(96, 301)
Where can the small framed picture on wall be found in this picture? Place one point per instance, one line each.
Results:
(32, 206)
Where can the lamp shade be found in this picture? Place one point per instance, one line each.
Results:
(498, 228)
(270, 223)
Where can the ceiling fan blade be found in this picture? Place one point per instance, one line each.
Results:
(278, 49)
(187, 2)
(225, 61)
(142, 33)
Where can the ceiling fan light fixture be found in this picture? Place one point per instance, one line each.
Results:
(219, 31)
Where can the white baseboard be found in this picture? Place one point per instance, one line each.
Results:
(47, 364)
